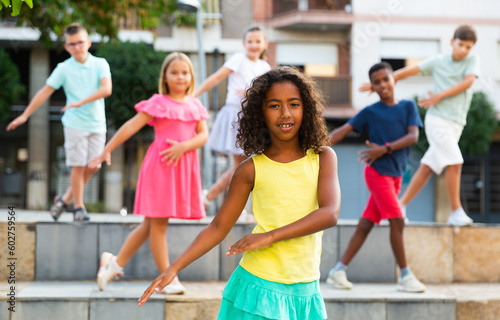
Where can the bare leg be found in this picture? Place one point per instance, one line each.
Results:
(134, 241)
(357, 240)
(417, 182)
(158, 242)
(452, 178)
(397, 244)
(77, 184)
(223, 182)
(68, 195)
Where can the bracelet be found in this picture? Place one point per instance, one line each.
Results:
(388, 147)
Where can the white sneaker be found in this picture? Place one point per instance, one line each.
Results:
(403, 211)
(206, 202)
(410, 283)
(459, 218)
(338, 279)
(107, 270)
(174, 288)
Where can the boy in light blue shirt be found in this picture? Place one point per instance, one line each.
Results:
(447, 107)
(86, 81)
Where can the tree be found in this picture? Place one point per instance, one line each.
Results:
(477, 134)
(11, 87)
(99, 16)
(15, 5)
(135, 69)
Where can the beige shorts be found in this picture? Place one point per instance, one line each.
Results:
(82, 146)
(443, 136)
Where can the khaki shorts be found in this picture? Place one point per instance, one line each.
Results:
(443, 136)
(82, 146)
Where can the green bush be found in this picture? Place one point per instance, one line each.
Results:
(135, 69)
(11, 88)
(477, 134)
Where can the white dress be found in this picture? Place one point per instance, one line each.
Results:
(223, 135)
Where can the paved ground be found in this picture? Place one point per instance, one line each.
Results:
(213, 289)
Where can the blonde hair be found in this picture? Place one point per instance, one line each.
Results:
(162, 85)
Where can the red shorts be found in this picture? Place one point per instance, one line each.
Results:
(383, 202)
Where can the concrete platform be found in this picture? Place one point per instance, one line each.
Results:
(64, 250)
(82, 300)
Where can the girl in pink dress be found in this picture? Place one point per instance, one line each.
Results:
(169, 184)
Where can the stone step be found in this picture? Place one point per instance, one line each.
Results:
(437, 253)
(82, 300)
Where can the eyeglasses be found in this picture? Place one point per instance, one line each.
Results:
(73, 45)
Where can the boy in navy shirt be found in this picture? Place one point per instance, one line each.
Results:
(392, 126)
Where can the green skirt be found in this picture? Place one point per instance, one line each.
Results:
(249, 297)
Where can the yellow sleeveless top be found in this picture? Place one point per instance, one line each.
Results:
(284, 193)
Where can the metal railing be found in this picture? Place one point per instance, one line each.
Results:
(336, 90)
(282, 6)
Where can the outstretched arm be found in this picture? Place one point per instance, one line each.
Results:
(326, 216)
(215, 232)
(406, 72)
(127, 130)
(435, 98)
(40, 97)
(213, 80)
(339, 134)
(103, 92)
(177, 149)
(376, 151)
(173, 153)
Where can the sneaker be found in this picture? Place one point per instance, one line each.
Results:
(459, 218)
(107, 271)
(410, 283)
(80, 215)
(174, 288)
(338, 279)
(403, 211)
(206, 202)
(57, 209)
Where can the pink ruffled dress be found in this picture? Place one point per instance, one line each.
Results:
(168, 191)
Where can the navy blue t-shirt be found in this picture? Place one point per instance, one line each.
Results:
(387, 124)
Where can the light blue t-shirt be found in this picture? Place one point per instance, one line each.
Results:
(447, 73)
(80, 81)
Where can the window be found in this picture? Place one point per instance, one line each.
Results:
(316, 59)
(403, 53)
(498, 60)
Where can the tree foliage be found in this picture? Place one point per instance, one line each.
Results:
(135, 70)
(11, 87)
(15, 5)
(477, 134)
(99, 16)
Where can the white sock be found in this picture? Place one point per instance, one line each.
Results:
(115, 266)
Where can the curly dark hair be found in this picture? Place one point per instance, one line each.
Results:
(253, 135)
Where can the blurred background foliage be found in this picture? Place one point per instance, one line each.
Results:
(135, 70)
(11, 88)
(98, 16)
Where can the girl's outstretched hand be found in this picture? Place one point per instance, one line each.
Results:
(173, 153)
(157, 285)
(251, 242)
(370, 155)
(105, 156)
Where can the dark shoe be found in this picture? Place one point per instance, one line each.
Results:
(80, 215)
(57, 209)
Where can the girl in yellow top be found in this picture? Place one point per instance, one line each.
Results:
(296, 195)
